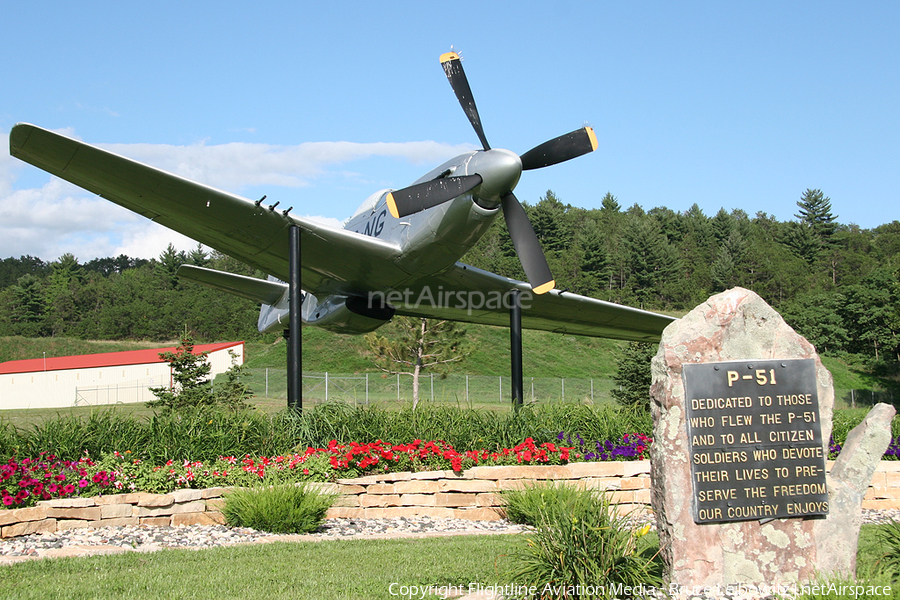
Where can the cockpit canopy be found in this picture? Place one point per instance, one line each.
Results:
(369, 205)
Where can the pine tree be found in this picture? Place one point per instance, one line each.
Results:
(652, 261)
(731, 253)
(233, 393)
(594, 263)
(610, 204)
(722, 226)
(549, 222)
(190, 376)
(60, 296)
(633, 376)
(723, 270)
(198, 257)
(813, 236)
(28, 306)
(815, 211)
(168, 264)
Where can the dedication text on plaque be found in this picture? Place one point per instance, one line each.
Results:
(755, 440)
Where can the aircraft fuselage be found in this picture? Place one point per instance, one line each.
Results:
(436, 238)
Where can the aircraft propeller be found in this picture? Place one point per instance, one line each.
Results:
(425, 195)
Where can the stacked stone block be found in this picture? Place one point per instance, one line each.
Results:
(473, 494)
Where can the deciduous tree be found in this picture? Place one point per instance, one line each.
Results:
(410, 345)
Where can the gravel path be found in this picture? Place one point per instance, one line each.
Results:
(77, 542)
(147, 538)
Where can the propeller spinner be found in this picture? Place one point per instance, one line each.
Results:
(421, 196)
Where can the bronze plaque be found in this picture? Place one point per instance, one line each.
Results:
(755, 440)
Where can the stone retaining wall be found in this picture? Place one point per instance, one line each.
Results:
(181, 507)
(473, 494)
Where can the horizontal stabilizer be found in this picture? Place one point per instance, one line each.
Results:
(258, 290)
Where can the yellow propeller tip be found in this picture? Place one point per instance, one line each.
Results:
(448, 56)
(593, 137)
(392, 206)
(544, 287)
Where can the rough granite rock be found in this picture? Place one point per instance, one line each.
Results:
(739, 325)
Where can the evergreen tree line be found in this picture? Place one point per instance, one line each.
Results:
(835, 284)
(121, 298)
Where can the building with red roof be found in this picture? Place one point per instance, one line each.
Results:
(97, 379)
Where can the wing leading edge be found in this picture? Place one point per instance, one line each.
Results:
(229, 223)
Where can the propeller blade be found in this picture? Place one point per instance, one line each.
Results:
(460, 84)
(527, 246)
(563, 148)
(418, 197)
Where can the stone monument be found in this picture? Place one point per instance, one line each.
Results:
(742, 412)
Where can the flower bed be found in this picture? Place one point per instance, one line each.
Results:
(25, 482)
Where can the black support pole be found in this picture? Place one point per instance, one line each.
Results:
(294, 372)
(515, 349)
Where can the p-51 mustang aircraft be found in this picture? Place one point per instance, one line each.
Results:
(398, 254)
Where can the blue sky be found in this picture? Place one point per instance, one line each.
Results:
(317, 105)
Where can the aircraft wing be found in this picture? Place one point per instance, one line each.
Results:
(258, 290)
(229, 223)
(224, 221)
(465, 293)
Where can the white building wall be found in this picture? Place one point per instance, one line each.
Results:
(97, 386)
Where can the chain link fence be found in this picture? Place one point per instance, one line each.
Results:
(470, 390)
(463, 390)
(454, 389)
(105, 395)
(862, 398)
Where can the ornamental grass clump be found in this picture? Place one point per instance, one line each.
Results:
(526, 505)
(889, 536)
(288, 508)
(580, 547)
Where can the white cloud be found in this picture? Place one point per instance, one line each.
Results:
(326, 221)
(9, 168)
(56, 217)
(237, 165)
(147, 239)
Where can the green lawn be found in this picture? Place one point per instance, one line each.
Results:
(343, 569)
